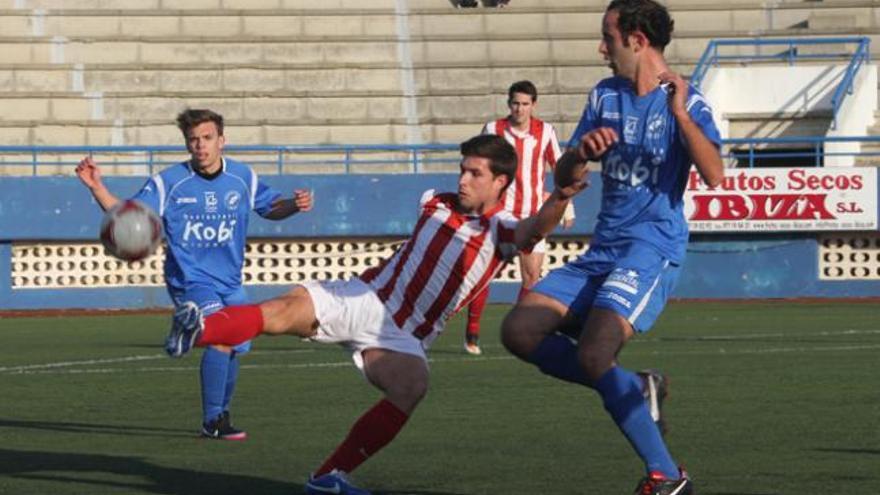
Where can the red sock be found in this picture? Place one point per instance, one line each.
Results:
(475, 311)
(232, 325)
(370, 433)
(522, 293)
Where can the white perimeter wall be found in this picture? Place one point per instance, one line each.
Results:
(794, 89)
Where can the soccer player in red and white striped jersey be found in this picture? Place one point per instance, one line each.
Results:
(537, 149)
(390, 314)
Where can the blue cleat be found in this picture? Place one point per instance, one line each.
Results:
(186, 326)
(333, 482)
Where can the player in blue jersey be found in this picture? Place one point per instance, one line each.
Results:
(647, 126)
(204, 204)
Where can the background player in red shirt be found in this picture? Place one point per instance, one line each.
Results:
(537, 149)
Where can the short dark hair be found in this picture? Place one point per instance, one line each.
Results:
(647, 16)
(524, 87)
(501, 155)
(192, 117)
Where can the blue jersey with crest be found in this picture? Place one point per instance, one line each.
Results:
(205, 221)
(645, 173)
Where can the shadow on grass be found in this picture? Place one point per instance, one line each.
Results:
(146, 477)
(86, 470)
(124, 430)
(850, 451)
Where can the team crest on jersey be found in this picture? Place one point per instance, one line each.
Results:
(630, 127)
(232, 200)
(656, 123)
(210, 202)
(624, 279)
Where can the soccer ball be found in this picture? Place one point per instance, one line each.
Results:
(131, 231)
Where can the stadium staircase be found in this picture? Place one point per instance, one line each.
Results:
(115, 72)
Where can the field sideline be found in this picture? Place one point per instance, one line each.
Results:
(767, 398)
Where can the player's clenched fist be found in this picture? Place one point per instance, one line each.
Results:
(595, 143)
(88, 172)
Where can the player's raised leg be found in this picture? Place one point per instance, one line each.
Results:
(292, 313)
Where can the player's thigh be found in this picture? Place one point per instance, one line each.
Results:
(291, 313)
(638, 288)
(401, 376)
(533, 318)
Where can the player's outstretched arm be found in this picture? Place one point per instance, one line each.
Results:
(90, 175)
(704, 153)
(531, 230)
(283, 208)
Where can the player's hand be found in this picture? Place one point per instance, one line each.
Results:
(302, 198)
(595, 143)
(677, 92)
(89, 173)
(567, 223)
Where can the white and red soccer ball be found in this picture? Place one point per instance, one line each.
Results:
(131, 231)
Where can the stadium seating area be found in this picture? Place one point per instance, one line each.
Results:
(114, 72)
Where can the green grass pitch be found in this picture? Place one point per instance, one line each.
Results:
(766, 398)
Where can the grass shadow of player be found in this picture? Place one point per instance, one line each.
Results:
(92, 428)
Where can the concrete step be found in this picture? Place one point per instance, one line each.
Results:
(344, 23)
(156, 132)
(76, 80)
(315, 110)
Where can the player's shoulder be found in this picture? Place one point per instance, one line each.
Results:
(611, 84)
(173, 174)
(238, 168)
(696, 98)
(434, 196)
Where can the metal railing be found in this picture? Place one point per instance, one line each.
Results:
(354, 159)
(789, 54)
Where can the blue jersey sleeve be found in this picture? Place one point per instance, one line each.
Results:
(589, 118)
(151, 194)
(264, 196)
(701, 113)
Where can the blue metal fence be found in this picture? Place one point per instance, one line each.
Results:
(352, 158)
(790, 53)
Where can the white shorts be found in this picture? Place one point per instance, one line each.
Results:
(349, 313)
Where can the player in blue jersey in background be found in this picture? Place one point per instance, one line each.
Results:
(647, 126)
(204, 204)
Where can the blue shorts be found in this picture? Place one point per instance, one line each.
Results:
(634, 281)
(211, 300)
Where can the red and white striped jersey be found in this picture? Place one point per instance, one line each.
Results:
(535, 150)
(449, 259)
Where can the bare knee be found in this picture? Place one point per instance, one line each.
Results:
(403, 378)
(529, 323)
(407, 392)
(604, 335)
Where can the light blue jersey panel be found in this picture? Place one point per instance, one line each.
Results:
(206, 222)
(645, 173)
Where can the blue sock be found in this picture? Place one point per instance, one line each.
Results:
(621, 392)
(214, 372)
(556, 356)
(231, 380)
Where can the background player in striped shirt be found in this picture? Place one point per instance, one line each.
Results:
(390, 314)
(537, 149)
(647, 126)
(204, 204)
